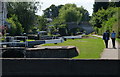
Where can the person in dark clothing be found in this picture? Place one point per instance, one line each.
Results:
(3, 32)
(106, 36)
(113, 37)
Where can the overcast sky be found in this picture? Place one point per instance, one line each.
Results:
(87, 4)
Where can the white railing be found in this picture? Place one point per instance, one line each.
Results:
(73, 37)
(13, 42)
(60, 40)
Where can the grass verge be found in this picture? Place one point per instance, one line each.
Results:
(90, 48)
(118, 40)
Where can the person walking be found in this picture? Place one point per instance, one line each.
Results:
(113, 37)
(106, 36)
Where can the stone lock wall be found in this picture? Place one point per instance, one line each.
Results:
(44, 52)
(52, 53)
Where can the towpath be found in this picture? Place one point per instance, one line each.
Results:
(110, 52)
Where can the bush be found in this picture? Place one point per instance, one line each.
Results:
(15, 27)
(106, 20)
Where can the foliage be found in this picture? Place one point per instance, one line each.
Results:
(74, 31)
(105, 20)
(118, 40)
(85, 14)
(108, 25)
(52, 11)
(41, 23)
(105, 5)
(57, 21)
(114, 3)
(63, 30)
(98, 18)
(34, 30)
(100, 5)
(16, 27)
(67, 14)
(52, 29)
(25, 12)
(70, 13)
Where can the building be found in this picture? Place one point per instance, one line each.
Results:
(84, 25)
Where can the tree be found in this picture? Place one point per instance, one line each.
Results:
(85, 14)
(41, 23)
(57, 26)
(105, 19)
(16, 27)
(25, 12)
(98, 18)
(69, 13)
(52, 11)
(104, 4)
(115, 3)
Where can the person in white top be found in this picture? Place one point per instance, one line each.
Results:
(113, 37)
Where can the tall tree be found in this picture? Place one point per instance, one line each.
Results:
(105, 20)
(70, 13)
(114, 3)
(41, 23)
(16, 27)
(104, 4)
(25, 12)
(52, 11)
(85, 14)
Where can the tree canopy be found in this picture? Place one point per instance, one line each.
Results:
(41, 23)
(25, 11)
(100, 5)
(68, 13)
(108, 19)
(52, 11)
(16, 27)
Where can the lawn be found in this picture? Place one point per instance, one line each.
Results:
(90, 48)
(118, 40)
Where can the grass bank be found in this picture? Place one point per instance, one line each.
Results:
(90, 48)
(118, 40)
